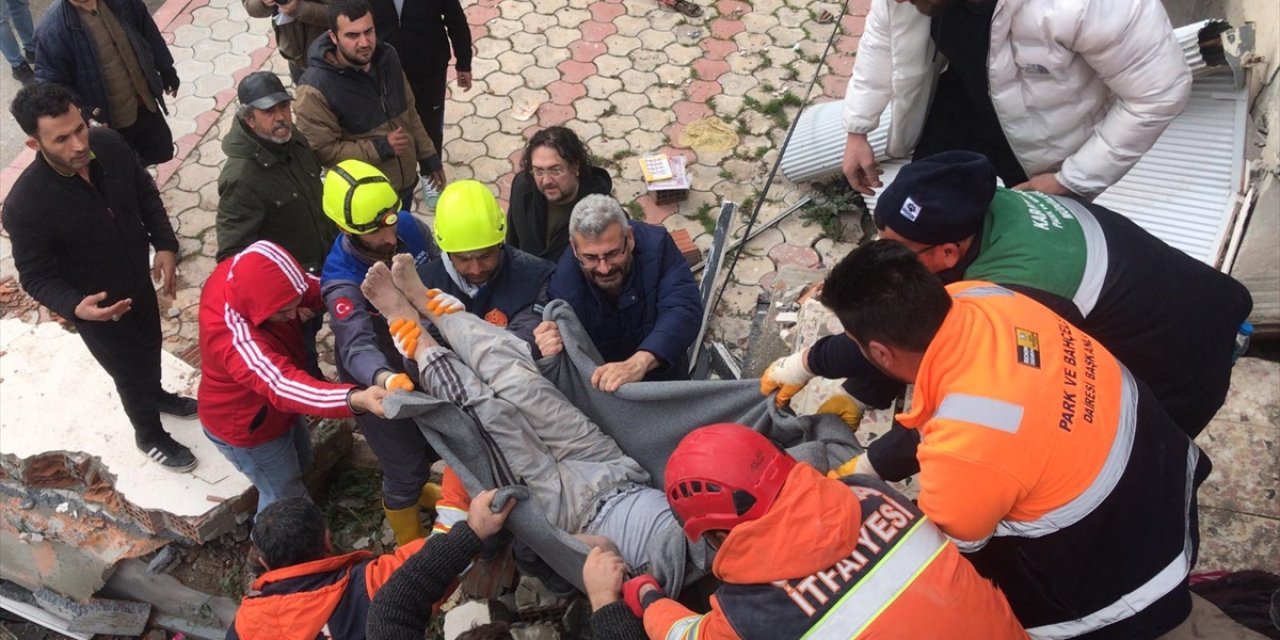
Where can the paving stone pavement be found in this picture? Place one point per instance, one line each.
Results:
(629, 77)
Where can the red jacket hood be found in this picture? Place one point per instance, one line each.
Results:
(262, 280)
(813, 524)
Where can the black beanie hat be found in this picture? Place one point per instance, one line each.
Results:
(938, 199)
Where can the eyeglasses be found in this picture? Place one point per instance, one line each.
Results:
(612, 258)
(552, 172)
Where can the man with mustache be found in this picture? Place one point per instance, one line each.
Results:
(83, 218)
(269, 188)
(633, 292)
(355, 103)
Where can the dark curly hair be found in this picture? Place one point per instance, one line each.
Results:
(40, 100)
(564, 142)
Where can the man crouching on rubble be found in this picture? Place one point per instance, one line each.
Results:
(577, 475)
(801, 555)
(308, 593)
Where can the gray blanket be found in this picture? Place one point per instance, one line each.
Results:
(647, 419)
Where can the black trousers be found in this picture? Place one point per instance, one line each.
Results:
(428, 96)
(129, 350)
(149, 137)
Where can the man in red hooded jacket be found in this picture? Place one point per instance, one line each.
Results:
(254, 386)
(803, 555)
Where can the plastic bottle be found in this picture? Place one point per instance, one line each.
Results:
(1242, 341)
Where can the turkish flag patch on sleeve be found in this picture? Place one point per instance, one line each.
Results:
(496, 318)
(343, 307)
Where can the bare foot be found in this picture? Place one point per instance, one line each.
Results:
(434, 302)
(379, 289)
(405, 276)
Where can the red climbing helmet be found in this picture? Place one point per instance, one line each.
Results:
(722, 475)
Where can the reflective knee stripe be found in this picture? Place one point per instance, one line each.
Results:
(1167, 579)
(685, 628)
(986, 412)
(858, 608)
(985, 291)
(1103, 483)
(1095, 260)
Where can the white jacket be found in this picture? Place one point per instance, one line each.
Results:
(1081, 87)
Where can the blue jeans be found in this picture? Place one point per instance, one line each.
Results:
(274, 467)
(18, 14)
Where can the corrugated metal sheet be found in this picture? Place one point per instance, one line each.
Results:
(1183, 191)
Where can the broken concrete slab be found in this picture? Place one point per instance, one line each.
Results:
(76, 496)
(132, 580)
(114, 617)
(44, 366)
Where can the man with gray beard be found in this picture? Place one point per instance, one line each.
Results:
(270, 187)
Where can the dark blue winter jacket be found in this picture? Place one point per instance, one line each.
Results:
(65, 54)
(659, 309)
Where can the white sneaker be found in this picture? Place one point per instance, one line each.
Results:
(430, 196)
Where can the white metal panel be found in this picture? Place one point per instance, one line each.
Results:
(1184, 189)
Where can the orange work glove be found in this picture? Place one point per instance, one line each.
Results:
(404, 333)
(440, 303)
(398, 382)
(787, 376)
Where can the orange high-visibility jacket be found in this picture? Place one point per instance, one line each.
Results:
(1053, 468)
(831, 559)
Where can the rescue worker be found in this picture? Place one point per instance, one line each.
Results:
(1167, 316)
(307, 593)
(494, 280)
(366, 208)
(803, 555)
(1051, 467)
(253, 389)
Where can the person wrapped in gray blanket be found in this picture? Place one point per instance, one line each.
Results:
(575, 473)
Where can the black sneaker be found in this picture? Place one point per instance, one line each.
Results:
(176, 405)
(170, 454)
(29, 55)
(24, 74)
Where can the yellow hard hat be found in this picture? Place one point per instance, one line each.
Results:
(359, 198)
(468, 218)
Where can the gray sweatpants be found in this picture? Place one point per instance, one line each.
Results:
(568, 463)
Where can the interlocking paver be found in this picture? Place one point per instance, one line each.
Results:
(611, 66)
(571, 18)
(600, 86)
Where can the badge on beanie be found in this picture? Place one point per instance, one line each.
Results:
(910, 210)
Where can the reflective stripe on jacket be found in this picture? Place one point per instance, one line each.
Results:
(1039, 454)
(832, 560)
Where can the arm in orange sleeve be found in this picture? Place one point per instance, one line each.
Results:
(453, 504)
(667, 619)
(965, 498)
(379, 570)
